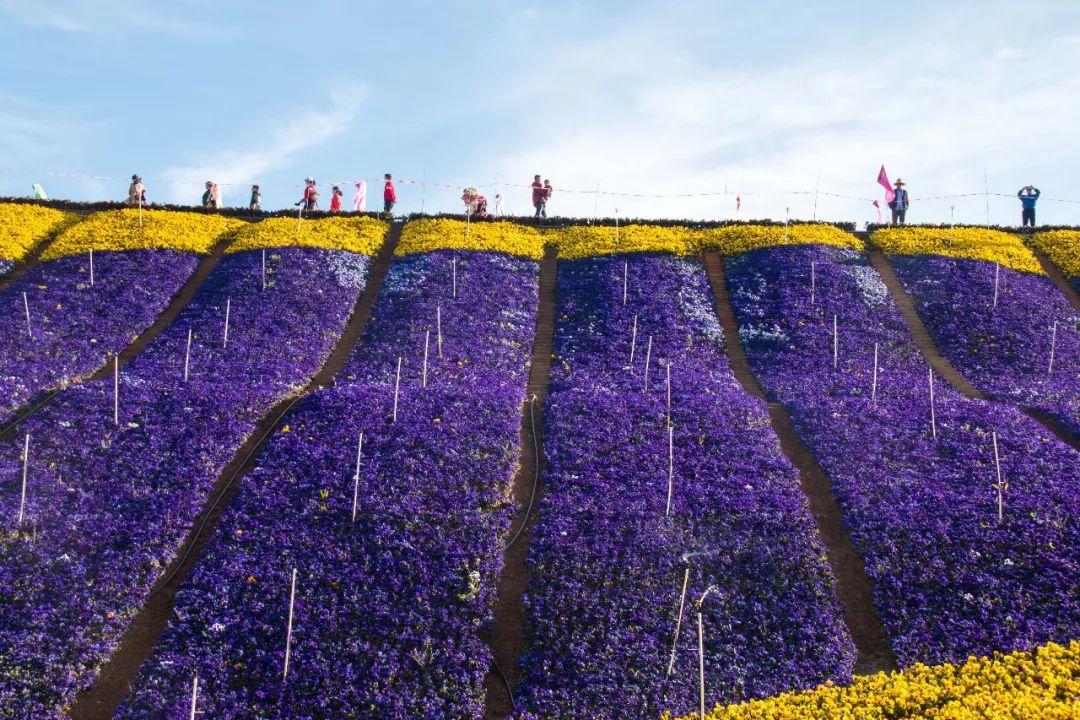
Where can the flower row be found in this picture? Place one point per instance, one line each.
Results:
(24, 226)
(1003, 248)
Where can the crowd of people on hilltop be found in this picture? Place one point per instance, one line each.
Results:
(477, 205)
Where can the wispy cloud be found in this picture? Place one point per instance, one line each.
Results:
(78, 16)
(284, 140)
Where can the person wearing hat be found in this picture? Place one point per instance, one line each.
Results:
(136, 191)
(208, 196)
(256, 199)
(1028, 195)
(311, 195)
(899, 203)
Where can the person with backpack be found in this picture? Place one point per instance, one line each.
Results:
(899, 204)
(538, 200)
(389, 195)
(1029, 195)
(310, 199)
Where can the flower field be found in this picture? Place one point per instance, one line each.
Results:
(99, 486)
(356, 571)
(1063, 248)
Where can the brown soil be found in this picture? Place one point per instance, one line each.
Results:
(99, 701)
(1058, 278)
(31, 260)
(178, 302)
(507, 635)
(852, 584)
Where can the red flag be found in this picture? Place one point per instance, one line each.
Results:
(878, 206)
(883, 180)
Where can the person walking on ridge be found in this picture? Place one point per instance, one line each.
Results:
(538, 197)
(136, 191)
(335, 199)
(256, 199)
(208, 196)
(1029, 195)
(310, 198)
(548, 190)
(389, 195)
(899, 204)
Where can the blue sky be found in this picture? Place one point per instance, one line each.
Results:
(665, 98)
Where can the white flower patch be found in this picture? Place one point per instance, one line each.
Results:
(869, 283)
(350, 269)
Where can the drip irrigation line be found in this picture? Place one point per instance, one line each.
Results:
(221, 496)
(536, 478)
(505, 681)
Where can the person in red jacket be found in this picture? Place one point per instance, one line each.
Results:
(538, 199)
(389, 196)
(335, 199)
(311, 195)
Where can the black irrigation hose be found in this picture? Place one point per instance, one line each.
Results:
(221, 495)
(536, 478)
(505, 680)
(18, 419)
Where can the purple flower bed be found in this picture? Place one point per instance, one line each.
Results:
(606, 564)
(1003, 350)
(949, 579)
(77, 328)
(108, 507)
(389, 609)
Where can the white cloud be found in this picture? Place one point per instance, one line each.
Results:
(938, 111)
(80, 16)
(285, 139)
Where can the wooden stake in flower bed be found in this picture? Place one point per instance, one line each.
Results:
(1053, 342)
(264, 269)
(91, 267)
(438, 327)
(648, 356)
(228, 307)
(813, 280)
(427, 340)
(633, 342)
(669, 393)
(678, 621)
(701, 649)
(187, 355)
(835, 344)
(997, 273)
(625, 269)
(194, 696)
(1000, 486)
(288, 631)
(116, 390)
(356, 476)
(25, 468)
(26, 306)
(670, 467)
(397, 386)
(873, 387)
(933, 419)
(454, 275)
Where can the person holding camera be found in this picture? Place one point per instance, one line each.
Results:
(1028, 195)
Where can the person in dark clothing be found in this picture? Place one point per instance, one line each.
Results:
(256, 199)
(1028, 195)
(899, 203)
(208, 196)
(539, 200)
(310, 200)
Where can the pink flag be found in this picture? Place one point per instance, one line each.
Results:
(883, 180)
(738, 203)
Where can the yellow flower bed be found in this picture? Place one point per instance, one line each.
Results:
(1062, 247)
(23, 226)
(445, 234)
(161, 230)
(1043, 683)
(736, 239)
(355, 234)
(973, 243)
(587, 240)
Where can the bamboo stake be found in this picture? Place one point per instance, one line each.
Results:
(438, 326)
(25, 467)
(397, 386)
(669, 393)
(648, 356)
(1053, 342)
(933, 419)
(427, 340)
(997, 272)
(91, 267)
(455, 276)
(26, 305)
(356, 476)
(835, 344)
(1000, 487)
(264, 269)
(873, 390)
(678, 621)
(288, 632)
(228, 307)
(194, 695)
(187, 355)
(625, 268)
(701, 663)
(813, 280)
(633, 342)
(670, 467)
(116, 390)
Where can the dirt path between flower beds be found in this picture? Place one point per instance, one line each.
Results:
(852, 584)
(508, 632)
(32, 258)
(941, 365)
(1058, 278)
(99, 701)
(176, 305)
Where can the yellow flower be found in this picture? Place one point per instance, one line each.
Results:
(161, 230)
(22, 227)
(1062, 247)
(737, 239)
(1041, 683)
(973, 243)
(582, 241)
(355, 234)
(444, 234)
